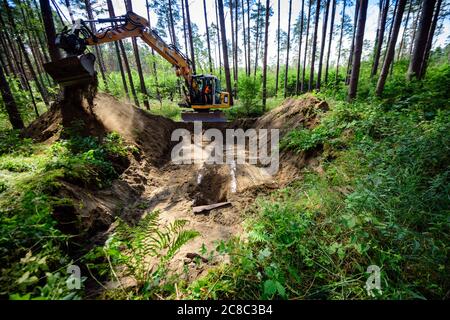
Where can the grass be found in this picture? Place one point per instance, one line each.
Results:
(382, 199)
(32, 248)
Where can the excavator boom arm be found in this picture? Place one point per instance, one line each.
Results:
(137, 26)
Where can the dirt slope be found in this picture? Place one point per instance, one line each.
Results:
(153, 182)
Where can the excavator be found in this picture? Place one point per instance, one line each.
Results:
(202, 93)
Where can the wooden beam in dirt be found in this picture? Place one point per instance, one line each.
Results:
(200, 209)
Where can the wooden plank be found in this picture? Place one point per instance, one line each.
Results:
(208, 207)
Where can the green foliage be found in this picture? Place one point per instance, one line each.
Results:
(143, 253)
(382, 199)
(32, 248)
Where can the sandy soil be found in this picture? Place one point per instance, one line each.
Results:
(152, 181)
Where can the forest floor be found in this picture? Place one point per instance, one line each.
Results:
(151, 181)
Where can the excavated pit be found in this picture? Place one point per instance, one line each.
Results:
(151, 181)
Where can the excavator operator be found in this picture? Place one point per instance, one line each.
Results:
(207, 94)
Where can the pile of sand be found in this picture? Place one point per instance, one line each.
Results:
(294, 113)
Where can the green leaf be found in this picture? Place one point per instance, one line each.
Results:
(270, 287)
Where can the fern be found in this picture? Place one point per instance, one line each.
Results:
(143, 251)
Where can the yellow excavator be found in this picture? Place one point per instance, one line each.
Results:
(202, 93)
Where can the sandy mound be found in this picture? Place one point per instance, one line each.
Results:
(293, 113)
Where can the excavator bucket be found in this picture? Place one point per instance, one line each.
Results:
(210, 116)
(72, 70)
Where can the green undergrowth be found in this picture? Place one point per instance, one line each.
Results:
(382, 198)
(33, 254)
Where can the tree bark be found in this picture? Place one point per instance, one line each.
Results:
(245, 36)
(421, 39)
(287, 50)
(314, 46)
(322, 44)
(402, 42)
(414, 29)
(302, 87)
(218, 41)
(171, 24)
(359, 41)
(327, 64)
(424, 64)
(207, 37)
(248, 39)
(266, 32)
(340, 41)
(352, 47)
(184, 28)
(138, 64)
(297, 87)
(391, 47)
(98, 50)
(10, 103)
(257, 38)
(278, 50)
(191, 40)
(125, 58)
(43, 92)
(380, 37)
(155, 73)
(225, 49)
(233, 43)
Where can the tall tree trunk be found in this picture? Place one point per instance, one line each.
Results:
(391, 47)
(359, 41)
(233, 43)
(391, 27)
(236, 19)
(245, 36)
(248, 39)
(11, 51)
(352, 47)
(50, 31)
(302, 87)
(314, 46)
(414, 29)
(191, 40)
(380, 37)
(184, 29)
(266, 32)
(207, 37)
(257, 38)
(225, 48)
(218, 40)
(72, 20)
(340, 41)
(98, 50)
(138, 63)
(124, 56)
(278, 50)
(297, 87)
(322, 43)
(287, 50)
(424, 64)
(420, 42)
(155, 73)
(402, 42)
(10, 103)
(43, 92)
(327, 64)
(172, 25)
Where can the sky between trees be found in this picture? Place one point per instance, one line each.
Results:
(196, 12)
